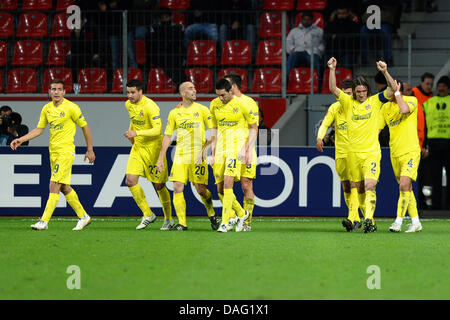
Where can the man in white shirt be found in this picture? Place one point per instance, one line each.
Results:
(302, 41)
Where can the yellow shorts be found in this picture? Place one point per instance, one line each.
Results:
(226, 167)
(406, 165)
(364, 165)
(250, 170)
(196, 173)
(142, 162)
(61, 166)
(342, 169)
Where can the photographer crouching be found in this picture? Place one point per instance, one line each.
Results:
(5, 112)
(15, 128)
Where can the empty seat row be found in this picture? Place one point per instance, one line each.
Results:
(36, 4)
(268, 4)
(94, 80)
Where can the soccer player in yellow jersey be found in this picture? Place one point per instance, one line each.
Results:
(363, 112)
(231, 119)
(62, 116)
(337, 116)
(248, 172)
(190, 120)
(400, 114)
(145, 133)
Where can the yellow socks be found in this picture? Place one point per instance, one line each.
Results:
(207, 201)
(362, 204)
(53, 199)
(371, 203)
(74, 202)
(139, 197)
(347, 198)
(412, 206)
(353, 205)
(164, 198)
(249, 204)
(180, 207)
(402, 204)
(230, 204)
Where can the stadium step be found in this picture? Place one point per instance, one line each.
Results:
(426, 17)
(420, 58)
(422, 44)
(434, 31)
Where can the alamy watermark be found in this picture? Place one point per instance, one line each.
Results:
(74, 280)
(374, 280)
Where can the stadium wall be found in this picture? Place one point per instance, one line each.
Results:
(291, 181)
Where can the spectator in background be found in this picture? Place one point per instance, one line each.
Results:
(389, 10)
(430, 6)
(142, 17)
(303, 41)
(423, 92)
(437, 116)
(166, 46)
(381, 84)
(201, 18)
(237, 22)
(16, 129)
(407, 90)
(5, 113)
(264, 132)
(342, 36)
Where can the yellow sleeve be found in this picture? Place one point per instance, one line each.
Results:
(345, 100)
(77, 116)
(382, 121)
(170, 126)
(207, 118)
(249, 116)
(42, 119)
(213, 116)
(412, 103)
(154, 119)
(327, 121)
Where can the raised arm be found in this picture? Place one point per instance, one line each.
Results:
(90, 155)
(382, 66)
(36, 132)
(332, 79)
(403, 105)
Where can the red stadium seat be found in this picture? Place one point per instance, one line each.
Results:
(269, 53)
(159, 82)
(285, 5)
(63, 4)
(133, 73)
(179, 18)
(266, 80)
(239, 71)
(1, 81)
(311, 5)
(27, 53)
(300, 81)
(63, 74)
(58, 52)
(270, 25)
(236, 52)
(6, 25)
(3, 54)
(341, 75)
(22, 80)
(92, 80)
(32, 25)
(202, 78)
(37, 4)
(59, 27)
(201, 53)
(8, 4)
(175, 4)
(141, 51)
(317, 19)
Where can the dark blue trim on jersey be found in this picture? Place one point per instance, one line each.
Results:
(382, 97)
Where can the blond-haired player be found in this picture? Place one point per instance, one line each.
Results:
(190, 120)
(62, 116)
(400, 114)
(145, 133)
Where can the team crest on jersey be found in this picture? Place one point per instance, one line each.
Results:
(141, 114)
(196, 114)
(368, 107)
(62, 114)
(235, 110)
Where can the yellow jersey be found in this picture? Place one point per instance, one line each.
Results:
(62, 121)
(232, 121)
(363, 121)
(402, 127)
(190, 125)
(145, 119)
(337, 115)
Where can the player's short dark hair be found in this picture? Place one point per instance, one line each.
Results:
(5, 109)
(234, 79)
(136, 84)
(56, 81)
(307, 14)
(360, 81)
(347, 83)
(445, 80)
(223, 84)
(426, 75)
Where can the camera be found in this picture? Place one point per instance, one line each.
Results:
(6, 119)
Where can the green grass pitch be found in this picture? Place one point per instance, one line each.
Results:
(281, 259)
